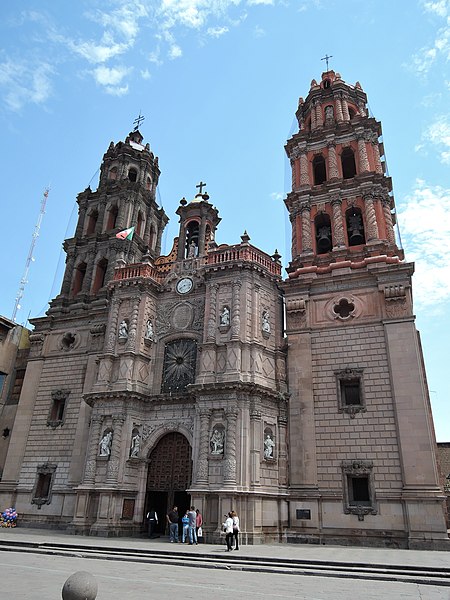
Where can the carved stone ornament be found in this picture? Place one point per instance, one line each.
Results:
(122, 334)
(105, 444)
(69, 341)
(176, 316)
(217, 441)
(265, 323)
(149, 333)
(395, 301)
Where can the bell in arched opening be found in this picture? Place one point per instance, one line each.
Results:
(355, 227)
(323, 233)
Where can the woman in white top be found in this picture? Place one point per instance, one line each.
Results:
(235, 529)
(228, 528)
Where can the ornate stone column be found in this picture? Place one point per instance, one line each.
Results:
(388, 220)
(132, 330)
(306, 228)
(82, 208)
(229, 467)
(87, 281)
(294, 179)
(332, 161)
(255, 451)
(112, 472)
(338, 222)
(112, 325)
(345, 112)
(376, 154)
(212, 321)
(313, 118)
(371, 218)
(236, 310)
(91, 462)
(304, 175)
(293, 220)
(362, 153)
(255, 309)
(282, 446)
(204, 416)
(101, 216)
(339, 115)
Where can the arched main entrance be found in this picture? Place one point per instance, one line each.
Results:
(169, 476)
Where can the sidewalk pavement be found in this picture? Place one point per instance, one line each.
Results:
(344, 554)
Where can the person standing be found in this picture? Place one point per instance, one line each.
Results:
(185, 525)
(172, 520)
(192, 526)
(236, 529)
(198, 522)
(228, 528)
(152, 519)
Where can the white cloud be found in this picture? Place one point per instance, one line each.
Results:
(98, 52)
(438, 134)
(25, 83)
(256, 2)
(424, 221)
(145, 74)
(216, 31)
(110, 76)
(117, 91)
(439, 7)
(175, 52)
(258, 32)
(276, 196)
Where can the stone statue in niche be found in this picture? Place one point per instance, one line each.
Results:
(123, 330)
(217, 441)
(225, 316)
(329, 114)
(269, 445)
(192, 250)
(149, 332)
(265, 321)
(135, 444)
(105, 444)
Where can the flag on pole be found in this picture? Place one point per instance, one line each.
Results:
(126, 234)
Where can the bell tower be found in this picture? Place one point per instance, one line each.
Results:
(362, 447)
(125, 197)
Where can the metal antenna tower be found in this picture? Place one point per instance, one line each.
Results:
(30, 257)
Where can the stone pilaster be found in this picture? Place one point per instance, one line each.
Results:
(112, 472)
(112, 325)
(68, 273)
(132, 330)
(212, 321)
(313, 118)
(345, 112)
(204, 416)
(255, 450)
(236, 310)
(319, 117)
(339, 115)
(376, 155)
(87, 281)
(304, 175)
(91, 462)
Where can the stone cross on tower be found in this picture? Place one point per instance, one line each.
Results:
(138, 121)
(201, 185)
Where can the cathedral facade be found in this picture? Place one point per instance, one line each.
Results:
(204, 377)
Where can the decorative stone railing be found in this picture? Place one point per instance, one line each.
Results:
(243, 253)
(137, 270)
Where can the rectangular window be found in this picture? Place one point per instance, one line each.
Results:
(358, 491)
(43, 485)
(42, 491)
(351, 392)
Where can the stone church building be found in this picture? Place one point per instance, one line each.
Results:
(208, 377)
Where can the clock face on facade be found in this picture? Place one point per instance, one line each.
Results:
(185, 285)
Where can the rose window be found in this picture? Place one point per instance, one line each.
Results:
(179, 365)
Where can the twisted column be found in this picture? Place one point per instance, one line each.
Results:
(236, 318)
(306, 228)
(362, 153)
(230, 463)
(293, 220)
(313, 118)
(376, 155)
(89, 272)
(345, 112)
(339, 115)
(332, 161)
(94, 437)
(68, 274)
(255, 451)
(371, 218)
(338, 222)
(212, 321)
(388, 220)
(204, 416)
(294, 178)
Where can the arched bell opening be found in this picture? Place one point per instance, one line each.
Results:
(79, 275)
(169, 476)
(355, 226)
(139, 224)
(112, 218)
(92, 222)
(132, 174)
(348, 163)
(192, 235)
(100, 275)
(319, 169)
(324, 242)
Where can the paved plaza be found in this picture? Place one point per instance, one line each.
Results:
(28, 575)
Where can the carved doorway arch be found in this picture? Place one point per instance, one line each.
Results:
(169, 476)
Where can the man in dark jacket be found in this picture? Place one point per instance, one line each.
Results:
(172, 521)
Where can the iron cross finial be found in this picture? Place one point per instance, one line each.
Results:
(137, 122)
(326, 58)
(201, 185)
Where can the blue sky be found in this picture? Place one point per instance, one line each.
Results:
(218, 82)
